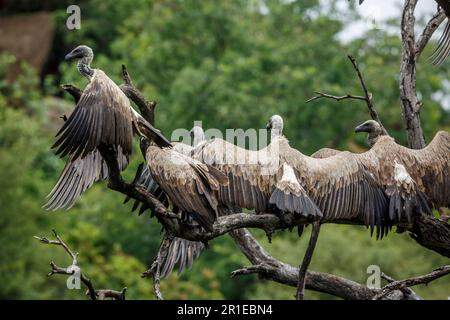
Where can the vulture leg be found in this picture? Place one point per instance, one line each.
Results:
(307, 260)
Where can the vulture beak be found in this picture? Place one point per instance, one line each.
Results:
(269, 125)
(70, 56)
(361, 128)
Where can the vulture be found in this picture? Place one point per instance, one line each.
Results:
(103, 115)
(191, 185)
(180, 250)
(374, 129)
(413, 178)
(280, 177)
(442, 51)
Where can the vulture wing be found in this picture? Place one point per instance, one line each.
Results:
(77, 176)
(325, 153)
(257, 179)
(342, 188)
(434, 164)
(189, 184)
(102, 115)
(399, 170)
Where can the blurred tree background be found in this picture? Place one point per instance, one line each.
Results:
(231, 64)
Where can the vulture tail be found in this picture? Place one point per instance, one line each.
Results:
(182, 252)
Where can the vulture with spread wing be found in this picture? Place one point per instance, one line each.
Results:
(282, 177)
(103, 115)
(415, 180)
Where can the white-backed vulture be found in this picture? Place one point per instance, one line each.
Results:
(191, 186)
(103, 115)
(412, 177)
(336, 187)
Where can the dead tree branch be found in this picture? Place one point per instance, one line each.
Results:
(55, 269)
(428, 31)
(154, 270)
(269, 268)
(368, 98)
(401, 284)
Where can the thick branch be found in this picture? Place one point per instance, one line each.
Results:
(408, 96)
(147, 108)
(269, 268)
(93, 294)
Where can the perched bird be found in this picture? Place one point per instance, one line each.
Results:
(374, 130)
(281, 177)
(415, 180)
(103, 115)
(190, 185)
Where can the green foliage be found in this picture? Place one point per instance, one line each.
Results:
(231, 64)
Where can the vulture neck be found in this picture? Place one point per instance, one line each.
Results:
(198, 139)
(373, 136)
(275, 133)
(84, 67)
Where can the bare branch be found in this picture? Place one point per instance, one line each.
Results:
(55, 269)
(269, 268)
(428, 32)
(424, 279)
(369, 100)
(154, 270)
(338, 98)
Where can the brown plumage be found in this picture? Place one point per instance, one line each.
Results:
(414, 179)
(280, 175)
(103, 115)
(77, 176)
(325, 153)
(190, 185)
(181, 252)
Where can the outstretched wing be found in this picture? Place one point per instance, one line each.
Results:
(77, 176)
(257, 179)
(343, 188)
(102, 115)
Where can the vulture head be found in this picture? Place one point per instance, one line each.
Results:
(373, 129)
(85, 56)
(80, 52)
(276, 125)
(197, 135)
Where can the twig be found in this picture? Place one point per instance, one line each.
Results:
(424, 279)
(155, 268)
(367, 95)
(307, 260)
(338, 98)
(55, 269)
